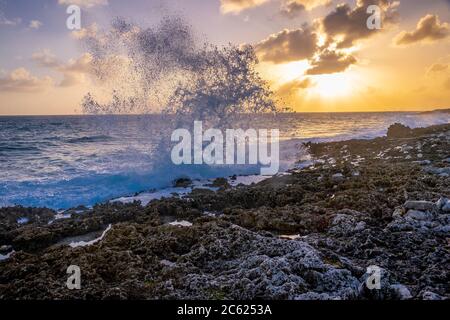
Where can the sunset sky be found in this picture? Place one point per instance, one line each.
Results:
(318, 55)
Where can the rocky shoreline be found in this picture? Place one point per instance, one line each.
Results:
(308, 234)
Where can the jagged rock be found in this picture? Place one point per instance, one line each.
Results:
(398, 213)
(417, 215)
(428, 295)
(182, 183)
(221, 183)
(401, 292)
(398, 130)
(419, 205)
(423, 162)
(438, 171)
(5, 249)
(383, 292)
(443, 204)
(338, 177)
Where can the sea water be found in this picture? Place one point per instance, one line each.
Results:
(62, 162)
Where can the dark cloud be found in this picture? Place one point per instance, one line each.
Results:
(288, 45)
(330, 62)
(438, 68)
(292, 8)
(292, 87)
(429, 29)
(346, 25)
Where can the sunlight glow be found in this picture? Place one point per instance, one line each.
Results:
(333, 85)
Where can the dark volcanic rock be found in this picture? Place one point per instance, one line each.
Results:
(399, 131)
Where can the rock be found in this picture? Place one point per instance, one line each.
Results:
(438, 171)
(5, 249)
(398, 130)
(182, 183)
(168, 263)
(398, 213)
(423, 162)
(346, 222)
(360, 226)
(417, 215)
(401, 292)
(384, 292)
(419, 205)
(446, 208)
(428, 295)
(338, 177)
(221, 183)
(443, 203)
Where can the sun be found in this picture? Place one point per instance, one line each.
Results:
(333, 85)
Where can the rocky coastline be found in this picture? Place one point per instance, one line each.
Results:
(307, 234)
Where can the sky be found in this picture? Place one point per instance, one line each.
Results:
(317, 55)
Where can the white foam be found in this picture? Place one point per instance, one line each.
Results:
(146, 197)
(23, 220)
(290, 237)
(181, 224)
(92, 242)
(247, 180)
(7, 256)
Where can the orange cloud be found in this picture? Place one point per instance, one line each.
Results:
(21, 80)
(236, 6)
(288, 45)
(429, 29)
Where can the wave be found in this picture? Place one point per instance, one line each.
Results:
(89, 139)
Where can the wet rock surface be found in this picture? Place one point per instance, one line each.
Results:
(393, 214)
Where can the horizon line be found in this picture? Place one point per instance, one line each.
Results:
(160, 113)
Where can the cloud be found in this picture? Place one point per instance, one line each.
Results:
(292, 87)
(292, 8)
(346, 25)
(438, 68)
(429, 29)
(236, 6)
(21, 80)
(4, 21)
(84, 3)
(288, 45)
(330, 62)
(74, 71)
(45, 58)
(35, 24)
(83, 33)
(447, 84)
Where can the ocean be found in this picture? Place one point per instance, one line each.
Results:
(62, 162)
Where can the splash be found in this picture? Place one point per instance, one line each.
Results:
(164, 69)
(167, 69)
